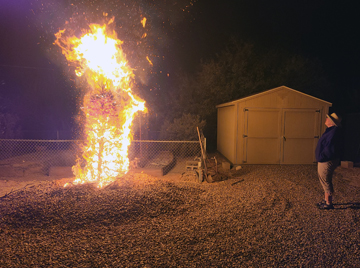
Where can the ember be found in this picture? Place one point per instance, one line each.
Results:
(109, 106)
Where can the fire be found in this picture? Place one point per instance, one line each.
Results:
(143, 22)
(109, 105)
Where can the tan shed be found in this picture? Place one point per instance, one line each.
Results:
(278, 126)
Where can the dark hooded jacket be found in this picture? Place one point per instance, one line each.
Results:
(330, 145)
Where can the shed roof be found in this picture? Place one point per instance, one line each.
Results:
(270, 91)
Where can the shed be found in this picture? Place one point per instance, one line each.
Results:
(277, 126)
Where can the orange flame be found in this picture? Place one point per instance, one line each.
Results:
(109, 106)
(143, 22)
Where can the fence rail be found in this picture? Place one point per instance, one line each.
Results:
(41, 155)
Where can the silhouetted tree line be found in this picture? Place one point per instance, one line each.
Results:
(236, 72)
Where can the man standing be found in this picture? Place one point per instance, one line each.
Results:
(328, 152)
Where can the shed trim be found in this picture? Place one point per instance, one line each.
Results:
(268, 92)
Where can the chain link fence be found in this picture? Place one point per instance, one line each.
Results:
(38, 156)
(168, 154)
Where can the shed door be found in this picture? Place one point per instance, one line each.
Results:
(280, 136)
(262, 136)
(301, 130)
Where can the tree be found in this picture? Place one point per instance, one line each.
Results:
(9, 122)
(239, 71)
(183, 128)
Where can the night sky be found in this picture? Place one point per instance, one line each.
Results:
(37, 85)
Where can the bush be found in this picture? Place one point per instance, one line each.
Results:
(9, 126)
(183, 128)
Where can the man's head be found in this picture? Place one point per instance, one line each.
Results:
(333, 120)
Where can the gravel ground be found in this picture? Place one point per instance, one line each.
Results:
(260, 216)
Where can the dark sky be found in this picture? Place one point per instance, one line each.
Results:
(325, 29)
(178, 40)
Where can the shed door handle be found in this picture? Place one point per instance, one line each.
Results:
(284, 138)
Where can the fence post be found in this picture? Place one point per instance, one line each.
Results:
(140, 136)
(57, 137)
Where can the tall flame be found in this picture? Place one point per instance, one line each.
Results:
(109, 106)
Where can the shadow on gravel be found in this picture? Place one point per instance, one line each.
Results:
(353, 205)
(237, 182)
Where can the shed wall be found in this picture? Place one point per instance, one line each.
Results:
(307, 110)
(226, 135)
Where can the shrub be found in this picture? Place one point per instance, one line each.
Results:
(183, 128)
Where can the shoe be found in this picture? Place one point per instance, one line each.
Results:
(326, 206)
